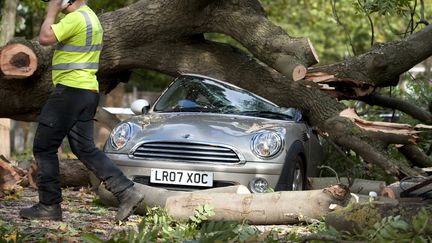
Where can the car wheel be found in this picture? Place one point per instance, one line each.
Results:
(298, 176)
(294, 177)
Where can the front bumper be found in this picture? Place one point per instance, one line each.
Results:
(227, 174)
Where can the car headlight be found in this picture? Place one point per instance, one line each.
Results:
(266, 144)
(120, 136)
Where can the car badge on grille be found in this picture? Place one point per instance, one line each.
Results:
(187, 136)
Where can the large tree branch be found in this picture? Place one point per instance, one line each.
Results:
(398, 104)
(231, 64)
(350, 135)
(391, 138)
(416, 156)
(380, 67)
(249, 25)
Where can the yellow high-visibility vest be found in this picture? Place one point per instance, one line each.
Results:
(76, 58)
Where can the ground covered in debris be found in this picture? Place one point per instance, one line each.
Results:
(82, 213)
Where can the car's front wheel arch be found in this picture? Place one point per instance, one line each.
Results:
(295, 159)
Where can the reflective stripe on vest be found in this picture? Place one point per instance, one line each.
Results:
(87, 48)
(84, 65)
(72, 48)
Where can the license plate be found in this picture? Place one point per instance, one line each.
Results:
(181, 177)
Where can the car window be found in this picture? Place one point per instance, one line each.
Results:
(199, 94)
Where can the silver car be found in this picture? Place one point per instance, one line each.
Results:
(204, 133)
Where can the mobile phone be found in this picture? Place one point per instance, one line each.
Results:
(65, 4)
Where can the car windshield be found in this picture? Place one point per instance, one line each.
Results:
(199, 94)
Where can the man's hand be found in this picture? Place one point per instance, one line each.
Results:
(54, 7)
(46, 35)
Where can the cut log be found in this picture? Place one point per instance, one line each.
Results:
(238, 204)
(155, 197)
(360, 186)
(73, 173)
(268, 208)
(9, 178)
(395, 190)
(290, 67)
(17, 61)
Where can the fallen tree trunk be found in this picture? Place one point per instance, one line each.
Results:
(154, 196)
(73, 173)
(286, 207)
(238, 204)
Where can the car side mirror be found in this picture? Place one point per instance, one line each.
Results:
(140, 107)
(298, 115)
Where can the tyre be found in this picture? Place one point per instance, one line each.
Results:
(298, 178)
(293, 176)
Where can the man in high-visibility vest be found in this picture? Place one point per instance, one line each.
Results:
(70, 109)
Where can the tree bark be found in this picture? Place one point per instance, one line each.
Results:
(254, 208)
(416, 156)
(380, 67)
(394, 103)
(303, 206)
(73, 173)
(157, 197)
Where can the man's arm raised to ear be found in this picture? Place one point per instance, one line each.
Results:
(46, 35)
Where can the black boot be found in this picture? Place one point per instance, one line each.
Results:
(129, 200)
(42, 211)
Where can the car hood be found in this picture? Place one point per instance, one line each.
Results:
(226, 130)
(203, 126)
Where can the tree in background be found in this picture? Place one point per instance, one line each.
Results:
(7, 31)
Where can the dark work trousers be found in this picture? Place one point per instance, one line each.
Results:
(69, 112)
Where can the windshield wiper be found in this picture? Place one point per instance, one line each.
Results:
(198, 109)
(267, 114)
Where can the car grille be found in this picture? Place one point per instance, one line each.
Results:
(186, 152)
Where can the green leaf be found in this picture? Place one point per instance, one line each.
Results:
(420, 221)
(91, 238)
